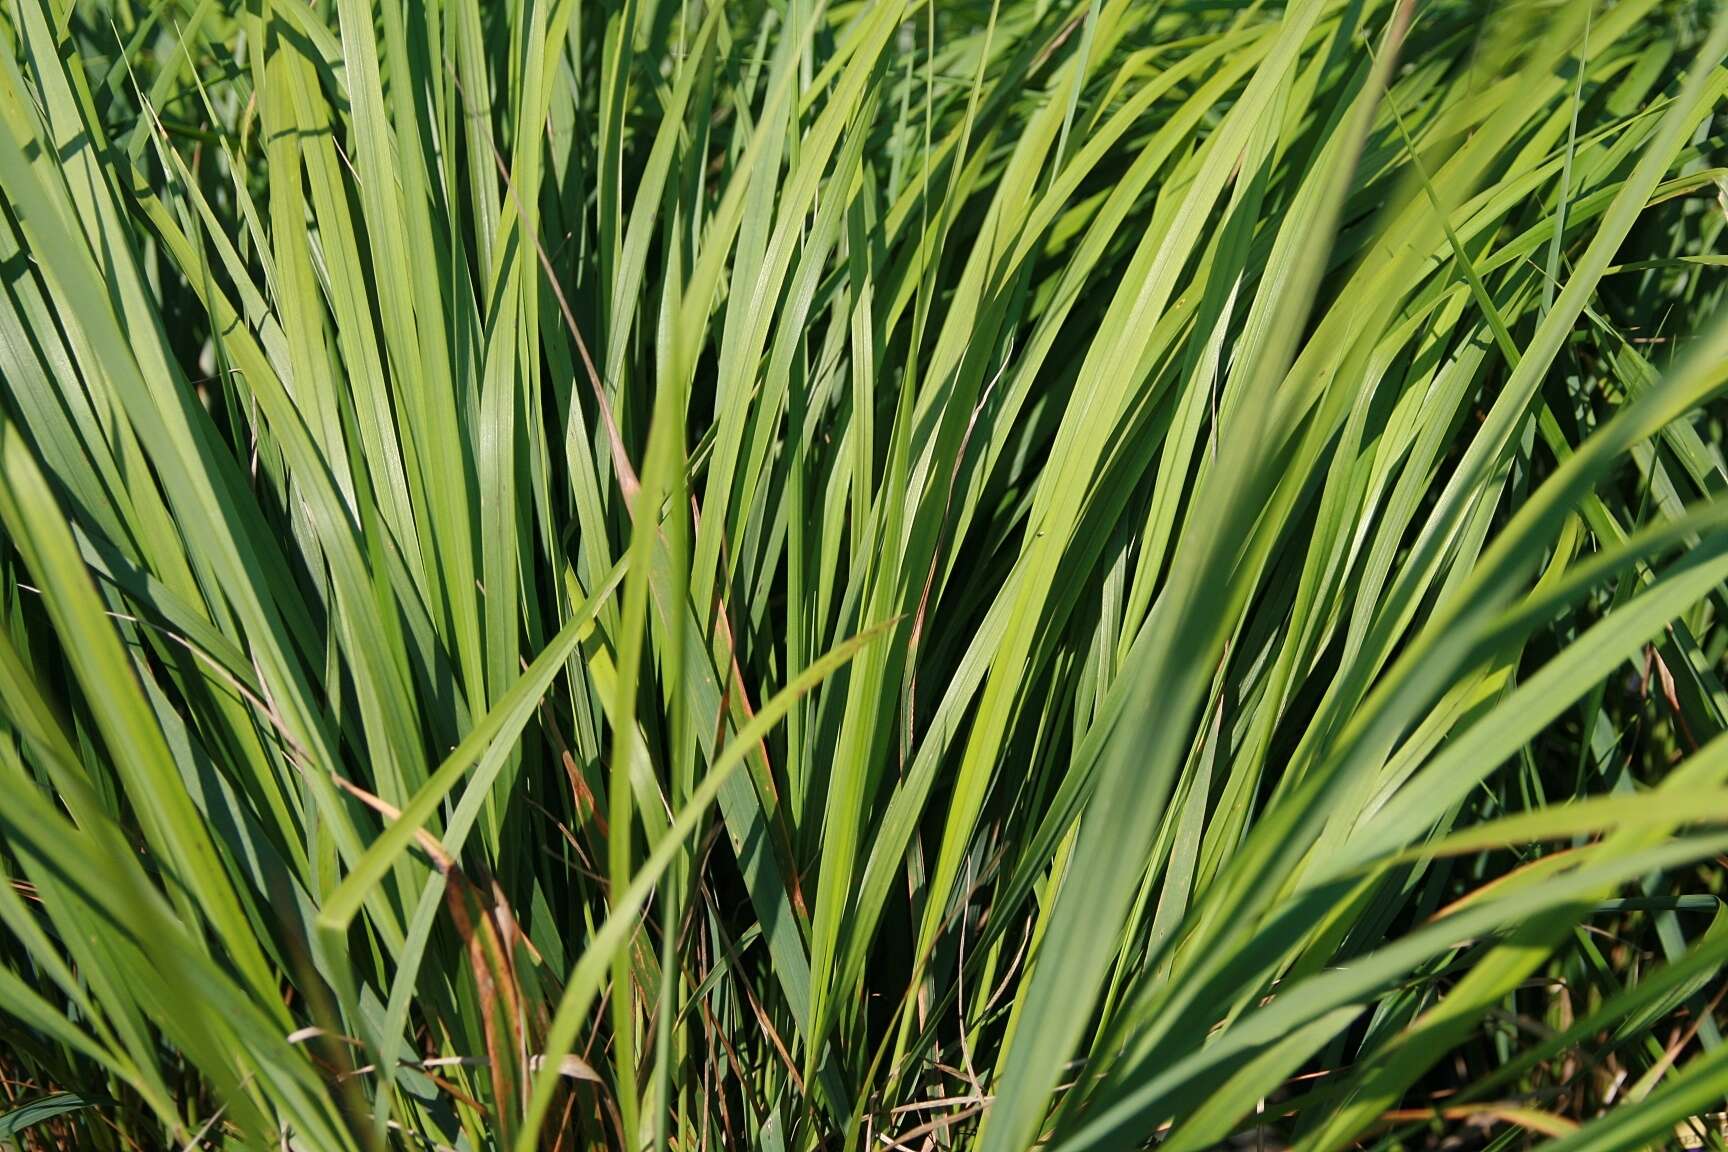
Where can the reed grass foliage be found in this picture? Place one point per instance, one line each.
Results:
(806, 574)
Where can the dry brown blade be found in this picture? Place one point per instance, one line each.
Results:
(570, 1066)
(735, 681)
(493, 970)
(114, 1127)
(712, 1031)
(1007, 980)
(1672, 698)
(1673, 1050)
(429, 844)
(940, 1102)
(752, 1096)
(903, 1141)
(756, 1009)
(313, 1032)
(677, 947)
(592, 1118)
(1056, 42)
(617, 1118)
(960, 1013)
(584, 865)
(695, 975)
(1497, 1112)
(915, 988)
(565, 1118)
(1476, 894)
(500, 1057)
(509, 928)
(726, 1118)
(492, 951)
(528, 1020)
(587, 806)
(708, 1096)
(598, 1015)
(685, 970)
(451, 1088)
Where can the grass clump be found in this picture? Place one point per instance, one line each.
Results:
(915, 574)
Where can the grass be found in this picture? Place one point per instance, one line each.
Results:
(807, 575)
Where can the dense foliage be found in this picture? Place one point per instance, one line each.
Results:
(787, 574)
